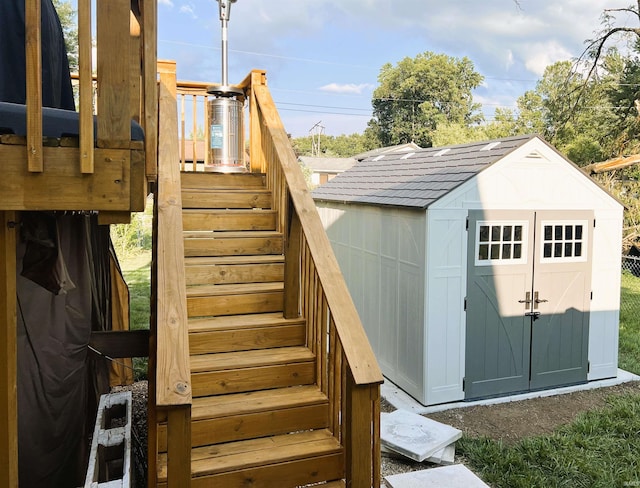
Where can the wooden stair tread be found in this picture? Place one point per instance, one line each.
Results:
(218, 260)
(243, 455)
(191, 180)
(208, 234)
(256, 401)
(224, 198)
(234, 322)
(233, 289)
(250, 359)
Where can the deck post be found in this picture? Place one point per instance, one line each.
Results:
(8, 353)
(292, 269)
(256, 152)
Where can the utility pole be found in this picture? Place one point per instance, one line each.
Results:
(316, 133)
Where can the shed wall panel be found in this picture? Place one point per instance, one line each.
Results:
(382, 253)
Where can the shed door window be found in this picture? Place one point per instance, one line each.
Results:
(500, 242)
(564, 241)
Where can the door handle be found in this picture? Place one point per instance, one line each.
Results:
(537, 300)
(527, 300)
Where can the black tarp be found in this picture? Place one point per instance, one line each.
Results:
(56, 81)
(62, 290)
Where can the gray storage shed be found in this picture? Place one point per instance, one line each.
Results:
(481, 269)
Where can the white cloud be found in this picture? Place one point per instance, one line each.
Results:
(348, 88)
(168, 3)
(540, 55)
(188, 9)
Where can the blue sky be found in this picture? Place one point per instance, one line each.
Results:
(323, 57)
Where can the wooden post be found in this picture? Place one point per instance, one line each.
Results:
(150, 86)
(8, 354)
(292, 269)
(256, 153)
(33, 47)
(362, 433)
(179, 447)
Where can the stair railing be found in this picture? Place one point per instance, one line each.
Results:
(170, 388)
(347, 370)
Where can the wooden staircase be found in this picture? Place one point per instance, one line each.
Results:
(258, 418)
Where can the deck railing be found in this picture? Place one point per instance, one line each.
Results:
(170, 388)
(127, 89)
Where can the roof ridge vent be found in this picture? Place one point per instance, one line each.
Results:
(490, 146)
(378, 158)
(408, 155)
(442, 152)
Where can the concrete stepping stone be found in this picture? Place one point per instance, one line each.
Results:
(415, 436)
(456, 476)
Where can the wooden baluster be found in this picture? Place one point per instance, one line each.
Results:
(85, 87)
(8, 353)
(148, 10)
(194, 138)
(183, 136)
(114, 123)
(33, 49)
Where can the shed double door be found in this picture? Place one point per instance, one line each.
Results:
(528, 297)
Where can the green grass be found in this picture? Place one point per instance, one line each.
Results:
(599, 449)
(629, 342)
(136, 269)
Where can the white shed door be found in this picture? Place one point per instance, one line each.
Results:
(528, 293)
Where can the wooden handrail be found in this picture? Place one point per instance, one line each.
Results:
(173, 380)
(170, 361)
(346, 368)
(354, 341)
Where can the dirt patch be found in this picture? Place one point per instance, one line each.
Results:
(510, 422)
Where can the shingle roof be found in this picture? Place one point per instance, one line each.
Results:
(400, 148)
(415, 179)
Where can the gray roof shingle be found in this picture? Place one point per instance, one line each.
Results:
(415, 179)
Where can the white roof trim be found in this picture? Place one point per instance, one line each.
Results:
(442, 152)
(408, 155)
(490, 146)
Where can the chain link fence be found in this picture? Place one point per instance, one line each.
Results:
(630, 291)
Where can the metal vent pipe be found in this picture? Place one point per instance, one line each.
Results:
(226, 125)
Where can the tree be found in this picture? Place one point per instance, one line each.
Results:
(342, 146)
(418, 94)
(68, 21)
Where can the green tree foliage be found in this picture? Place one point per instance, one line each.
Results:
(68, 21)
(419, 93)
(342, 146)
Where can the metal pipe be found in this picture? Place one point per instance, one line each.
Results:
(225, 14)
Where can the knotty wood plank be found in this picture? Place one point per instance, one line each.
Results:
(205, 181)
(237, 322)
(138, 182)
(63, 186)
(179, 446)
(247, 339)
(250, 359)
(226, 199)
(231, 244)
(235, 304)
(172, 377)
(232, 289)
(113, 41)
(234, 273)
(359, 441)
(279, 420)
(228, 220)
(250, 379)
(8, 353)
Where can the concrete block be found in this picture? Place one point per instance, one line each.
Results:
(414, 436)
(456, 476)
